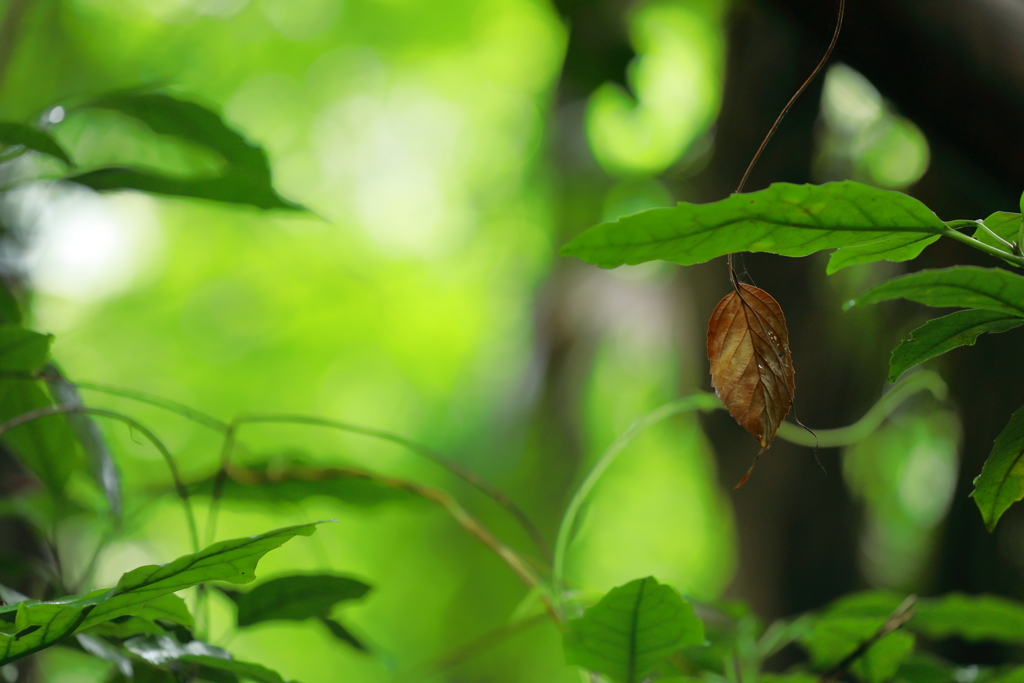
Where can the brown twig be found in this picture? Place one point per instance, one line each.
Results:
(516, 563)
(900, 616)
(782, 115)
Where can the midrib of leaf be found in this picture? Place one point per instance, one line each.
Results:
(634, 626)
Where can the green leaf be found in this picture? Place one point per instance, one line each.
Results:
(126, 627)
(168, 608)
(971, 617)
(835, 637)
(631, 630)
(297, 597)
(944, 334)
(46, 446)
(1001, 482)
(39, 625)
(243, 670)
(12, 133)
(100, 460)
(864, 223)
(343, 634)
(245, 180)
(23, 350)
(1006, 225)
(992, 289)
(278, 480)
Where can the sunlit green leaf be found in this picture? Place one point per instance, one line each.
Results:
(864, 223)
(38, 625)
(938, 336)
(245, 180)
(632, 630)
(1001, 482)
(12, 133)
(992, 289)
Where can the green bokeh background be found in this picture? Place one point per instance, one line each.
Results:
(408, 298)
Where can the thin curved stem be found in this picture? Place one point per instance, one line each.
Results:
(796, 95)
(1012, 259)
(699, 401)
(424, 451)
(150, 436)
(173, 406)
(925, 380)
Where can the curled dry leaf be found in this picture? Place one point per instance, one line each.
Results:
(751, 365)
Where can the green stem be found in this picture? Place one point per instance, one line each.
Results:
(150, 436)
(1012, 259)
(467, 476)
(699, 401)
(925, 380)
(181, 409)
(1007, 246)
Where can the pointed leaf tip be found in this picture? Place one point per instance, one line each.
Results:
(751, 363)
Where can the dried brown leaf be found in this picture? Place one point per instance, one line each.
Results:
(751, 365)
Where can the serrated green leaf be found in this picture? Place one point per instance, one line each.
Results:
(1006, 225)
(1001, 482)
(864, 223)
(296, 597)
(246, 178)
(631, 630)
(938, 336)
(991, 289)
(23, 350)
(38, 625)
(12, 133)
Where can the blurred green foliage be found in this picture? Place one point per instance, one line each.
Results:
(403, 150)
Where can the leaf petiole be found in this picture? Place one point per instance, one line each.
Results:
(1012, 259)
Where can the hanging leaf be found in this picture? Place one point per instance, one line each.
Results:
(1001, 482)
(864, 223)
(938, 336)
(751, 364)
(633, 629)
(297, 597)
